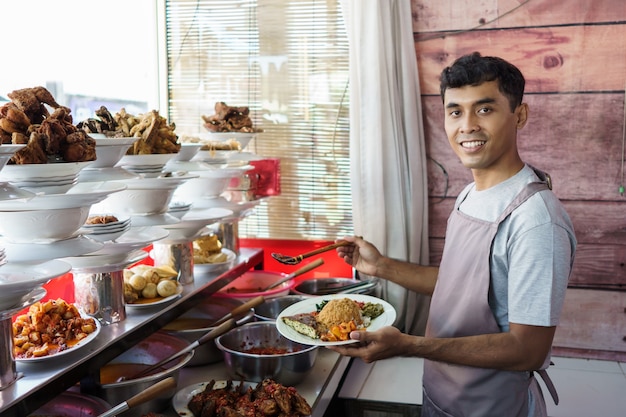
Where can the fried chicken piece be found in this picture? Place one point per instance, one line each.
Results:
(31, 101)
(32, 153)
(107, 118)
(156, 137)
(229, 119)
(105, 124)
(12, 119)
(6, 137)
(18, 139)
(53, 134)
(78, 147)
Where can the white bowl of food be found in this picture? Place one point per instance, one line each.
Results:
(241, 138)
(42, 224)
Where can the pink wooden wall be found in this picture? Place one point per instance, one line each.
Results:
(573, 55)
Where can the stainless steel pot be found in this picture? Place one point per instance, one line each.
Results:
(271, 308)
(149, 351)
(192, 325)
(72, 404)
(323, 286)
(285, 368)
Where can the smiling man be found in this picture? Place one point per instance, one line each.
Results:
(498, 293)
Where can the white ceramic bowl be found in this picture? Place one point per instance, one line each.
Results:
(187, 151)
(7, 151)
(121, 223)
(243, 138)
(150, 201)
(202, 187)
(28, 172)
(48, 189)
(210, 183)
(178, 208)
(109, 236)
(43, 224)
(146, 160)
(213, 155)
(82, 194)
(143, 196)
(137, 201)
(104, 232)
(109, 151)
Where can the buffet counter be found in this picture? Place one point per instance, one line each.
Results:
(40, 381)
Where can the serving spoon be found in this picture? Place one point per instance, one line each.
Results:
(214, 333)
(295, 260)
(154, 391)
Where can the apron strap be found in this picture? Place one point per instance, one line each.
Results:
(551, 389)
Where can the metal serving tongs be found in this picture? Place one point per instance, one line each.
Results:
(156, 390)
(295, 260)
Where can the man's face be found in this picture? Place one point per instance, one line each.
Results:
(481, 128)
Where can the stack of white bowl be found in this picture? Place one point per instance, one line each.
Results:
(105, 232)
(148, 166)
(178, 208)
(52, 178)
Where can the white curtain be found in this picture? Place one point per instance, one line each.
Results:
(387, 150)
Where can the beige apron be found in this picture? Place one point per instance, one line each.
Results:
(460, 307)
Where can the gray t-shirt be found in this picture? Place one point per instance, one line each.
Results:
(532, 252)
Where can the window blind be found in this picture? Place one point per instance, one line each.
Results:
(287, 60)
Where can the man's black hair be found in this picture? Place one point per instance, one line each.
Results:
(474, 69)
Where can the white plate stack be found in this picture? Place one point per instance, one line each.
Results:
(52, 178)
(105, 232)
(148, 166)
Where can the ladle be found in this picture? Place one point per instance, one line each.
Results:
(295, 260)
(215, 332)
(154, 391)
(297, 272)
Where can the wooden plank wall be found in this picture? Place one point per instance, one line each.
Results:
(573, 55)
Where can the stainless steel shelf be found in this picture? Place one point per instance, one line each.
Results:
(39, 382)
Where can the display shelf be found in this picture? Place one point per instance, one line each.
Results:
(38, 382)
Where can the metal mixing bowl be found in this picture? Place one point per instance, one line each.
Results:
(192, 325)
(271, 308)
(285, 368)
(72, 404)
(149, 351)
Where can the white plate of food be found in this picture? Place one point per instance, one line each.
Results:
(182, 397)
(207, 268)
(157, 301)
(310, 305)
(181, 400)
(75, 345)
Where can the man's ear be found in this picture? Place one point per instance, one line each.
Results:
(522, 115)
